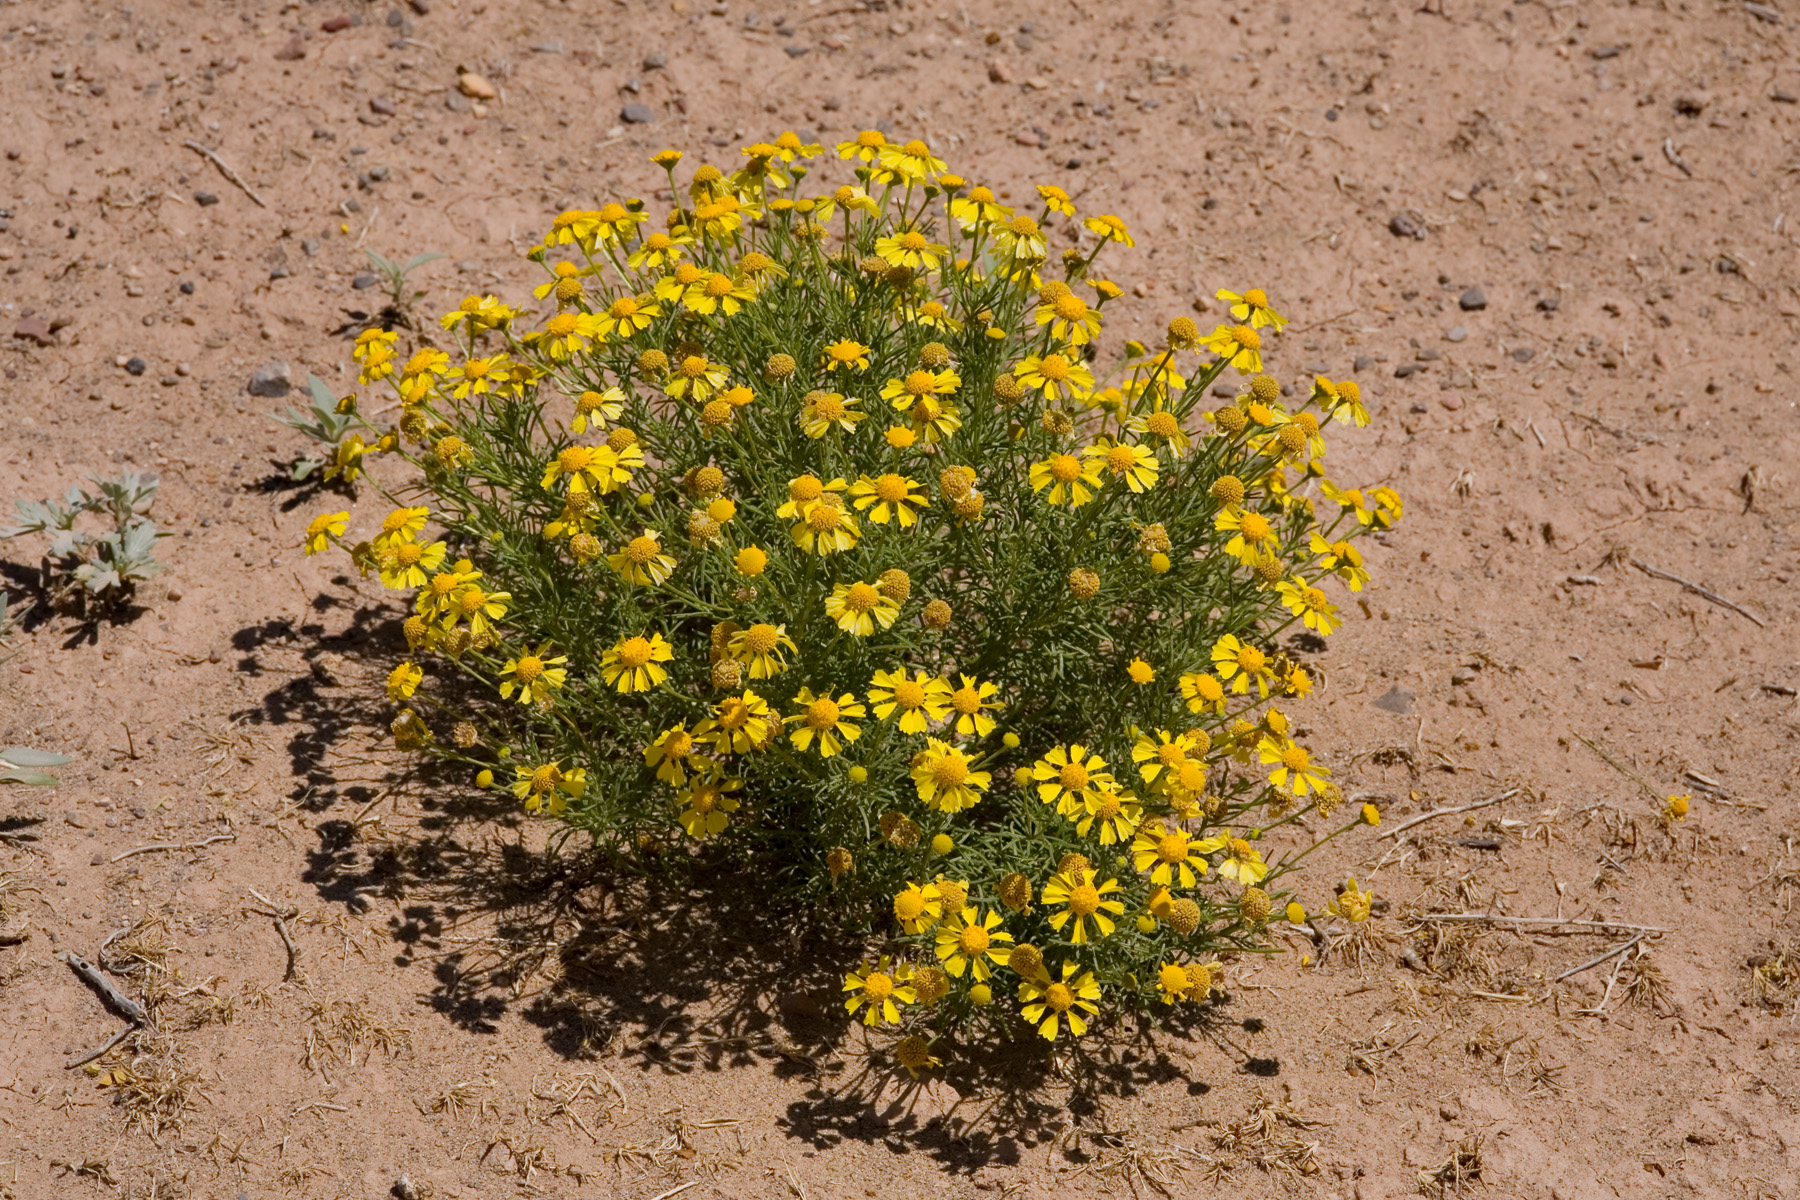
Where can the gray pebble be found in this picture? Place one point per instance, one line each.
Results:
(1549, 304)
(76, 819)
(205, 199)
(1524, 354)
(136, 366)
(797, 51)
(1405, 224)
(364, 281)
(1456, 333)
(1473, 300)
(272, 380)
(637, 114)
(309, 247)
(1363, 362)
(1395, 700)
(279, 273)
(382, 105)
(656, 60)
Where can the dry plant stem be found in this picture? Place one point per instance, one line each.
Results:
(280, 916)
(1594, 962)
(118, 1001)
(1703, 593)
(1401, 828)
(1545, 924)
(227, 172)
(151, 849)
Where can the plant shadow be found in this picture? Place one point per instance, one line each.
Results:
(699, 968)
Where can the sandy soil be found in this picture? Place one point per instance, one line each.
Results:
(1615, 180)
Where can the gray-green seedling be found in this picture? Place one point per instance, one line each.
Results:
(95, 571)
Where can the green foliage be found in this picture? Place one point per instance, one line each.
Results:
(396, 281)
(103, 568)
(325, 420)
(20, 764)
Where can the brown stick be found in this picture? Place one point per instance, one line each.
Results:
(1703, 593)
(120, 1003)
(226, 171)
(280, 916)
(1594, 962)
(1545, 923)
(223, 837)
(1449, 812)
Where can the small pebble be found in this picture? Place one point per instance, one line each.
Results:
(205, 199)
(279, 273)
(656, 60)
(1451, 401)
(364, 281)
(394, 18)
(335, 24)
(1404, 224)
(136, 366)
(1363, 362)
(183, 370)
(1549, 304)
(1026, 138)
(383, 106)
(1523, 354)
(169, 380)
(1473, 300)
(187, 287)
(271, 380)
(637, 114)
(476, 87)
(1456, 333)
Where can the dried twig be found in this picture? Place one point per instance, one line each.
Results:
(1449, 812)
(1594, 962)
(118, 1001)
(1703, 593)
(226, 171)
(223, 837)
(280, 915)
(1545, 924)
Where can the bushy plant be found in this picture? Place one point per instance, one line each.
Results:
(810, 532)
(88, 570)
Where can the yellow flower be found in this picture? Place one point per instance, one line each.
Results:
(548, 788)
(642, 561)
(977, 209)
(1352, 904)
(859, 607)
(1140, 671)
(946, 778)
(912, 250)
(863, 147)
(401, 525)
(708, 801)
(1085, 901)
(1133, 463)
(1070, 480)
(1070, 319)
(826, 527)
(322, 528)
(596, 409)
(1110, 229)
(804, 491)
(1048, 1004)
(918, 908)
(627, 315)
(633, 664)
(1344, 399)
(825, 719)
(759, 649)
(1371, 815)
(1252, 308)
(1068, 777)
(900, 437)
(1116, 813)
(911, 162)
(536, 675)
(670, 753)
(408, 564)
(403, 681)
(695, 377)
(1677, 807)
(715, 291)
(481, 609)
(914, 1053)
(1160, 752)
(1167, 854)
(970, 701)
(879, 990)
(904, 393)
(1239, 345)
(919, 700)
(1242, 862)
(1253, 535)
(893, 497)
(751, 560)
(1056, 200)
(739, 724)
(1241, 664)
(1022, 241)
(1174, 983)
(1055, 376)
(847, 354)
(966, 942)
(1311, 605)
(657, 251)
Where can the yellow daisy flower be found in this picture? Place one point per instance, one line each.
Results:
(971, 702)
(536, 675)
(1055, 375)
(919, 700)
(848, 355)
(739, 724)
(912, 250)
(1252, 308)
(408, 564)
(1253, 535)
(879, 990)
(859, 607)
(1239, 345)
(1110, 229)
(642, 561)
(1068, 777)
(1169, 855)
(946, 778)
(863, 147)
(670, 753)
(403, 681)
(548, 788)
(1342, 559)
(966, 941)
(827, 528)
(1070, 480)
(893, 497)
(759, 649)
(634, 663)
(1048, 1004)
(1084, 901)
(1311, 605)
(821, 410)
(918, 908)
(1070, 319)
(322, 528)
(1135, 464)
(1242, 861)
(823, 719)
(1294, 771)
(708, 805)
(1241, 664)
(1056, 200)
(1117, 814)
